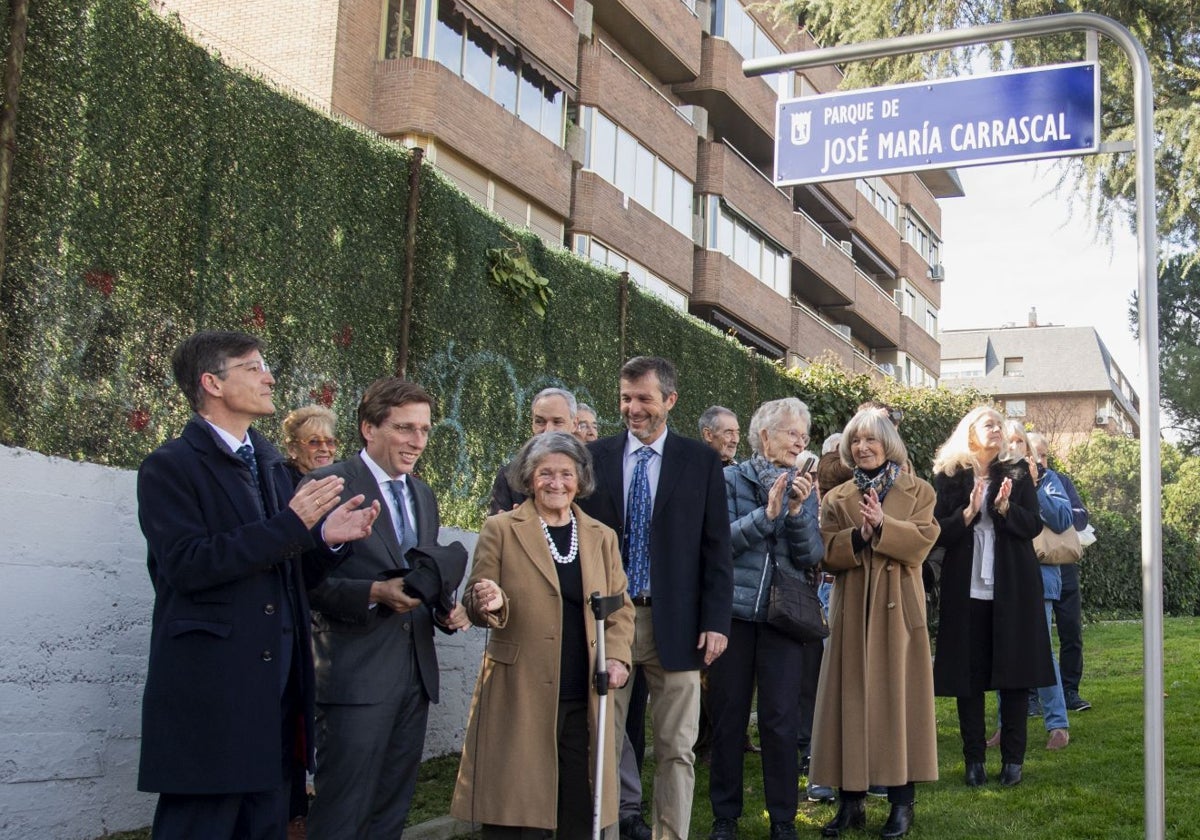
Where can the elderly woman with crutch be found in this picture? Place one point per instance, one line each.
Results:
(533, 730)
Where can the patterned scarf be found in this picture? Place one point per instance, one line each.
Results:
(767, 472)
(881, 482)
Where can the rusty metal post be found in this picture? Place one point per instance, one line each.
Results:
(410, 248)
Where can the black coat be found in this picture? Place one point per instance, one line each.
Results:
(1020, 641)
(211, 718)
(691, 567)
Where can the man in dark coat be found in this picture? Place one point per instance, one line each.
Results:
(228, 704)
(551, 410)
(668, 503)
(377, 670)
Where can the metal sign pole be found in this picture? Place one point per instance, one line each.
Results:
(1147, 225)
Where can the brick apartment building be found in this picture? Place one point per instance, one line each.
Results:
(1060, 380)
(626, 131)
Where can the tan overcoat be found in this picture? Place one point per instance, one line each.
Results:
(874, 722)
(509, 769)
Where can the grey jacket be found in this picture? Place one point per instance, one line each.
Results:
(795, 541)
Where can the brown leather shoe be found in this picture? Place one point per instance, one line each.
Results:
(1059, 738)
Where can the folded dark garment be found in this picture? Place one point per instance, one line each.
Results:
(434, 574)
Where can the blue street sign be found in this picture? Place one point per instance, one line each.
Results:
(1019, 115)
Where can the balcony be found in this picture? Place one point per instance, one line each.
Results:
(740, 109)
(609, 83)
(603, 211)
(544, 28)
(922, 346)
(822, 273)
(873, 315)
(721, 286)
(663, 35)
(420, 96)
(720, 170)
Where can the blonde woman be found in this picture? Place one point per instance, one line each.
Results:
(992, 633)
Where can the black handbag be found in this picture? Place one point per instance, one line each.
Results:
(793, 607)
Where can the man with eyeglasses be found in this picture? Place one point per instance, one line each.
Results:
(228, 704)
(552, 410)
(376, 665)
(719, 429)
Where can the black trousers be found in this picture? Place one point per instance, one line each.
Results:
(1068, 617)
(574, 789)
(897, 794)
(1013, 702)
(813, 652)
(757, 653)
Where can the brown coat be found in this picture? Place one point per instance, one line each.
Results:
(509, 769)
(874, 721)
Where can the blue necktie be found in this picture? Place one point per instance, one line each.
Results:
(405, 534)
(637, 526)
(246, 453)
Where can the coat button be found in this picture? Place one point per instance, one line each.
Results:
(404, 626)
(266, 656)
(888, 567)
(891, 605)
(269, 609)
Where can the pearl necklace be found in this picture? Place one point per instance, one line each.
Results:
(574, 550)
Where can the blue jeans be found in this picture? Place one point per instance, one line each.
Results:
(1054, 707)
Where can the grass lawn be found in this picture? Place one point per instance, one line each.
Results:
(1092, 790)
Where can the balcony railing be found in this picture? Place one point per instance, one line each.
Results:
(676, 108)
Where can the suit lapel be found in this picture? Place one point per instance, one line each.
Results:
(528, 528)
(610, 469)
(668, 474)
(423, 510)
(360, 480)
(226, 469)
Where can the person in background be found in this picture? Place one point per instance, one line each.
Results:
(1068, 609)
(552, 410)
(310, 440)
(773, 531)
(525, 762)
(586, 428)
(875, 719)
(719, 429)
(992, 633)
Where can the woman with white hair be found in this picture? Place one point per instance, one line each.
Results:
(875, 721)
(992, 633)
(773, 530)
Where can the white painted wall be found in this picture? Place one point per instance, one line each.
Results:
(75, 605)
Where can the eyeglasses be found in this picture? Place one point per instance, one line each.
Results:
(255, 366)
(585, 425)
(319, 442)
(410, 429)
(794, 435)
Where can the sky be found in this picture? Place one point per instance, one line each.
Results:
(1012, 243)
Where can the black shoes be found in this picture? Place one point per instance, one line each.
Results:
(724, 828)
(783, 830)
(851, 813)
(635, 828)
(976, 774)
(898, 822)
(1010, 775)
(1035, 707)
(1075, 703)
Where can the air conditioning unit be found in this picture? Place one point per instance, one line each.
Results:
(1102, 418)
(937, 272)
(842, 329)
(846, 246)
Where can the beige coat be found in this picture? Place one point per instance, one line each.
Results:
(509, 769)
(874, 721)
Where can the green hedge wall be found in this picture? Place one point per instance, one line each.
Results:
(1110, 573)
(157, 192)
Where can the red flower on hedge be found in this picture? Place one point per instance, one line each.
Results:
(257, 317)
(101, 281)
(344, 337)
(138, 419)
(324, 394)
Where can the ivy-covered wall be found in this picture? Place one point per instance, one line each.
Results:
(157, 192)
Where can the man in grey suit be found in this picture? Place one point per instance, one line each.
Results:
(373, 648)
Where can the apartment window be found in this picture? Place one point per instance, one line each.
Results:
(1013, 408)
(475, 56)
(882, 198)
(1014, 366)
(616, 156)
(931, 322)
(919, 235)
(399, 26)
(601, 254)
(966, 368)
(731, 21)
(733, 236)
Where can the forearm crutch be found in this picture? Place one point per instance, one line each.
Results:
(602, 608)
